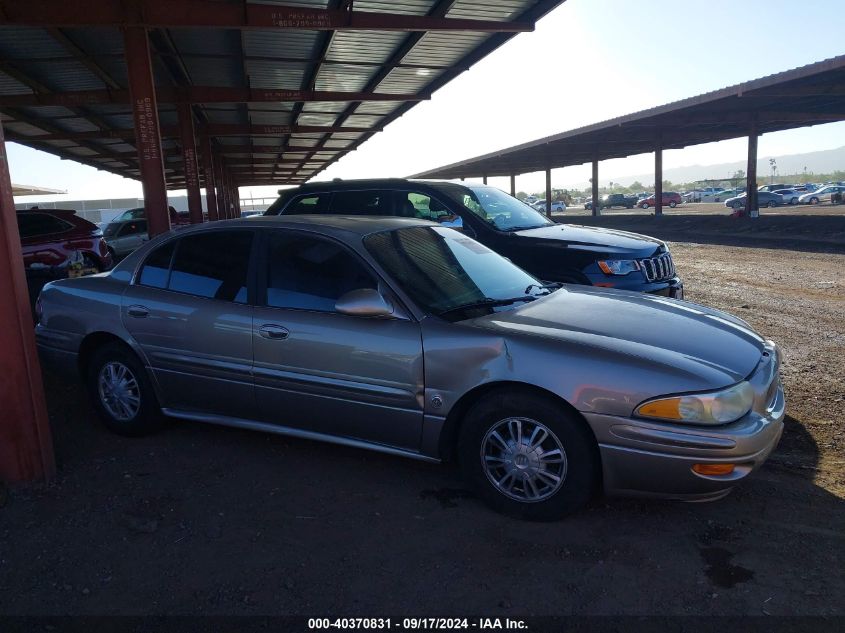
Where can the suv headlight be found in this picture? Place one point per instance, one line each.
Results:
(717, 407)
(618, 266)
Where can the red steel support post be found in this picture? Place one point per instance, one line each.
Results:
(220, 184)
(189, 157)
(596, 204)
(147, 134)
(751, 199)
(549, 191)
(208, 169)
(658, 179)
(26, 447)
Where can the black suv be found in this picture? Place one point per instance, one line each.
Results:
(553, 252)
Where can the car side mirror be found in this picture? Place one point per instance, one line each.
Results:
(367, 302)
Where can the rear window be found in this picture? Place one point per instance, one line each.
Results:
(36, 224)
(309, 203)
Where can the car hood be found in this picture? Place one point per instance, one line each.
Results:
(589, 237)
(710, 348)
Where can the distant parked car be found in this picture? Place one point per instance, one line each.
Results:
(773, 188)
(721, 196)
(822, 194)
(558, 206)
(610, 200)
(790, 196)
(56, 244)
(670, 199)
(139, 213)
(124, 236)
(764, 199)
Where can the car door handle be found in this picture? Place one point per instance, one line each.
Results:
(273, 332)
(138, 311)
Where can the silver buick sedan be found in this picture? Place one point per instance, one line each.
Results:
(406, 337)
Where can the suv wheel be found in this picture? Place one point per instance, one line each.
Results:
(527, 457)
(121, 392)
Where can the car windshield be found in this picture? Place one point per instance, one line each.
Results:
(444, 271)
(498, 209)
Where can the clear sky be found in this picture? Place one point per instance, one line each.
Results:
(635, 54)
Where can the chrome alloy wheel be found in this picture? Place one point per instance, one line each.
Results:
(119, 391)
(524, 459)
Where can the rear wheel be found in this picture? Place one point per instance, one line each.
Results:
(737, 205)
(771, 204)
(814, 200)
(644, 205)
(121, 392)
(673, 204)
(528, 457)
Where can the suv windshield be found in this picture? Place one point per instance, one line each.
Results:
(495, 207)
(445, 271)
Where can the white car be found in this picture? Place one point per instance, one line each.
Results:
(557, 206)
(822, 194)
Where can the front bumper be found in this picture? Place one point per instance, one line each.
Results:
(672, 288)
(654, 459)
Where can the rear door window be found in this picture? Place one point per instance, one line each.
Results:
(371, 202)
(214, 265)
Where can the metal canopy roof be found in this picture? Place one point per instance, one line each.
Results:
(284, 88)
(32, 190)
(804, 96)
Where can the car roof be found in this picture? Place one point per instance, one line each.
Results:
(368, 183)
(336, 225)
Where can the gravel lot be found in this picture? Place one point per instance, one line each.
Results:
(205, 520)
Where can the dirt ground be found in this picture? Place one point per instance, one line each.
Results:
(205, 520)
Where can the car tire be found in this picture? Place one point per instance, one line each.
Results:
(814, 200)
(644, 205)
(793, 201)
(737, 205)
(493, 442)
(771, 204)
(673, 204)
(121, 392)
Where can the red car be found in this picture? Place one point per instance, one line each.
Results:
(670, 199)
(57, 243)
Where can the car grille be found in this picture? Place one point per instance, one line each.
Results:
(658, 268)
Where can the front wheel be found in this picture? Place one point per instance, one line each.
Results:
(644, 205)
(793, 201)
(527, 456)
(814, 200)
(737, 205)
(673, 204)
(771, 204)
(121, 392)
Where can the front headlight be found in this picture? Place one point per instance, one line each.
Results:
(717, 407)
(618, 266)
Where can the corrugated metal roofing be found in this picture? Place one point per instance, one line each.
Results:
(69, 58)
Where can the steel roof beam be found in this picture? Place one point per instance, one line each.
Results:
(208, 13)
(211, 130)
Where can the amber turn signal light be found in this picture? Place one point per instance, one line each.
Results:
(713, 469)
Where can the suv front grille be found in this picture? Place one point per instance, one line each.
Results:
(658, 268)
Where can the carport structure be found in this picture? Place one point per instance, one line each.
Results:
(207, 93)
(804, 96)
